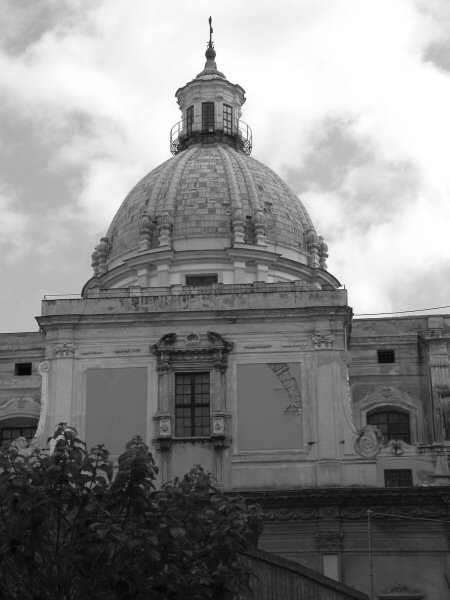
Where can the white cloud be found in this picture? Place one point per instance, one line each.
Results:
(14, 242)
(95, 83)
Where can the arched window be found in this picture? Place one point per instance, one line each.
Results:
(15, 427)
(393, 423)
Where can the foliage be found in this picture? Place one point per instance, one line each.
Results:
(70, 531)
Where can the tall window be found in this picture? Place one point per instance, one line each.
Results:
(189, 119)
(394, 424)
(208, 117)
(227, 119)
(192, 404)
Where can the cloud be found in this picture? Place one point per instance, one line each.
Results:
(348, 100)
(13, 229)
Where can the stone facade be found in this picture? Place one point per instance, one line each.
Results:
(212, 328)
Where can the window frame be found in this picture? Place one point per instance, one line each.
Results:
(197, 427)
(397, 473)
(208, 118)
(390, 435)
(384, 355)
(228, 119)
(189, 119)
(28, 366)
(17, 429)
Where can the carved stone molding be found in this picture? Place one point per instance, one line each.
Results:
(323, 342)
(18, 404)
(212, 347)
(290, 384)
(329, 540)
(65, 350)
(346, 357)
(192, 339)
(370, 441)
(40, 437)
(400, 591)
(302, 514)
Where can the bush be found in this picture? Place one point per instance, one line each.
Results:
(70, 531)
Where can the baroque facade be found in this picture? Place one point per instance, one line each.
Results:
(212, 327)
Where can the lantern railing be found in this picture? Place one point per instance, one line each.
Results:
(190, 131)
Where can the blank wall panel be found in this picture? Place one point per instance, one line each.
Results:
(116, 406)
(269, 406)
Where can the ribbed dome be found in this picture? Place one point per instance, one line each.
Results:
(202, 193)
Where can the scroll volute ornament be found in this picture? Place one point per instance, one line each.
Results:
(99, 257)
(370, 441)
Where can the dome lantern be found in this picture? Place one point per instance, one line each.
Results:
(211, 109)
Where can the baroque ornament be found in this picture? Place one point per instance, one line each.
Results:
(323, 342)
(66, 350)
(370, 441)
(329, 540)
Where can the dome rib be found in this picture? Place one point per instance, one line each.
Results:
(250, 184)
(232, 182)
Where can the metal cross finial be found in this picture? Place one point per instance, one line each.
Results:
(211, 45)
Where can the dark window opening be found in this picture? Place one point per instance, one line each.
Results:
(199, 280)
(14, 427)
(386, 356)
(393, 424)
(208, 117)
(192, 404)
(21, 369)
(227, 119)
(398, 478)
(189, 119)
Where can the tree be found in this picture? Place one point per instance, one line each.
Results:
(70, 531)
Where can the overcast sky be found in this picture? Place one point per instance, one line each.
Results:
(349, 101)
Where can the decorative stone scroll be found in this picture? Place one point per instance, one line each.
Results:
(323, 252)
(329, 540)
(259, 225)
(400, 591)
(323, 342)
(66, 350)
(99, 257)
(370, 441)
(312, 246)
(238, 225)
(165, 223)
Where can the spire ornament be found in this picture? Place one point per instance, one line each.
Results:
(210, 52)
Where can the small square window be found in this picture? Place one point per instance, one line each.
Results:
(398, 478)
(386, 356)
(21, 369)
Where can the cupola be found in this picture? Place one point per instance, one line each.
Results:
(211, 109)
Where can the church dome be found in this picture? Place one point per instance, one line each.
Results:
(211, 212)
(208, 191)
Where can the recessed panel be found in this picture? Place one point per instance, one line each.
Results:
(116, 407)
(269, 406)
